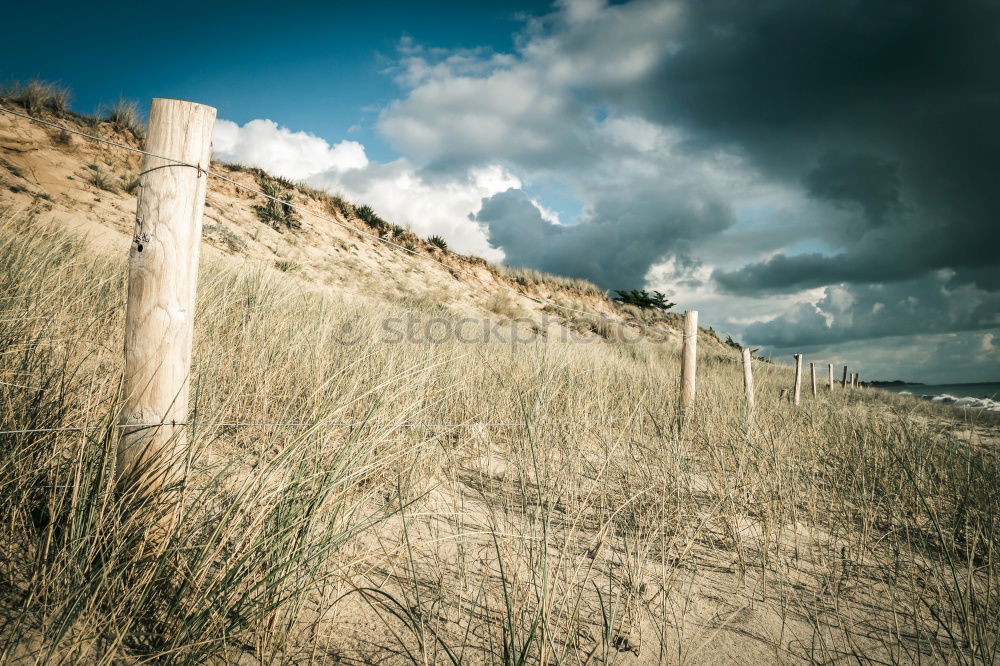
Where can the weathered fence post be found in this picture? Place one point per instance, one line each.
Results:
(798, 378)
(748, 378)
(830, 369)
(812, 374)
(689, 359)
(159, 316)
(843, 383)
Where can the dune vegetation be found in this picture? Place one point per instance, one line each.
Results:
(428, 500)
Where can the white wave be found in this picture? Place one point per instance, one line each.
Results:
(968, 403)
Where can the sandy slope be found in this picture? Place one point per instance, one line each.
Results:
(54, 175)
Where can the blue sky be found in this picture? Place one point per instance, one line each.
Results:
(814, 177)
(316, 67)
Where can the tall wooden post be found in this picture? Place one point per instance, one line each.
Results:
(748, 378)
(830, 370)
(798, 379)
(843, 383)
(159, 316)
(812, 374)
(689, 359)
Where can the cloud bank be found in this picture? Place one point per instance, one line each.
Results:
(812, 174)
(398, 190)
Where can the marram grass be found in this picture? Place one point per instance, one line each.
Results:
(859, 526)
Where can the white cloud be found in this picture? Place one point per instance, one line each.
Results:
(279, 150)
(402, 194)
(397, 190)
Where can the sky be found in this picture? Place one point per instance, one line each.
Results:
(815, 177)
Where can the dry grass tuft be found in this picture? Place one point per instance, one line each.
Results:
(530, 277)
(124, 116)
(501, 304)
(38, 96)
(101, 179)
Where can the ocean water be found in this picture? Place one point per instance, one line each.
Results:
(984, 395)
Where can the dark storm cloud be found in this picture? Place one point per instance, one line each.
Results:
(889, 107)
(614, 249)
(930, 304)
(876, 311)
(865, 132)
(857, 180)
(895, 260)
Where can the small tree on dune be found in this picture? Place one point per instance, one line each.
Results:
(643, 299)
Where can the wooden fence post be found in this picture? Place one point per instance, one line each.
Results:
(689, 359)
(843, 383)
(830, 369)
(798, 379)
(812, 374)
(748, 378)
(159, 316)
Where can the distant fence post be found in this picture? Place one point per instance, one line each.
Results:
(159, 315)
(689, 359)
(843, 382)
(748, 378)
(812, 375)
(798, 379)
(830, 369)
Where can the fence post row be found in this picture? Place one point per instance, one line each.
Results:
(689, 359)
(159, 315)
(798, 379)
(748, 377)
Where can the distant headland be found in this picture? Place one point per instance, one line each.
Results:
(894, 382)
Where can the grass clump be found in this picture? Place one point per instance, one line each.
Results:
(124, 116)
(38, 96)
(62, 138)
(338, 204)
(276, 211)
(368, 215)
(130, 183)
(438, 242)
(286, 265)
(101, 179)
(233, 241)
(503, 305)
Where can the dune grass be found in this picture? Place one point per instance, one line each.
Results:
(582, 525)
(37, 96)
